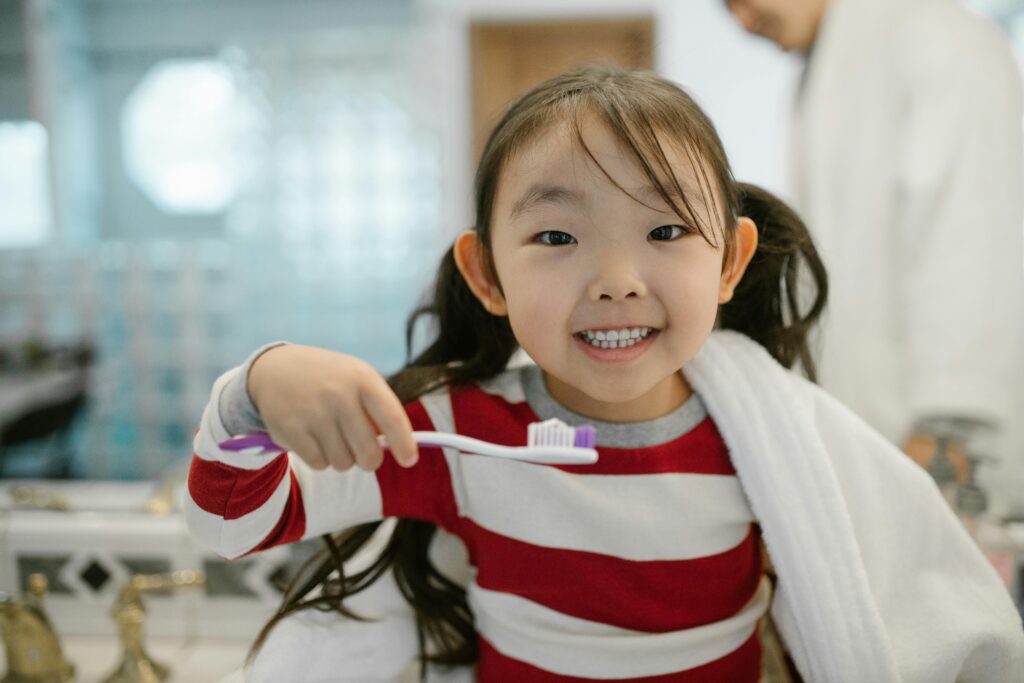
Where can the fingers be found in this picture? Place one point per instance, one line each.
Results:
(351, 439)
(337, 451)
(332, 417)
(308, 449)
(318, 447)
(361, 439)
(386, 411)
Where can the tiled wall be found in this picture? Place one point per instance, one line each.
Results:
(330, 242)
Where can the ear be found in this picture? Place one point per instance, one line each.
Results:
(469, 259)
(742, 250)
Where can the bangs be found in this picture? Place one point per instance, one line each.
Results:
(641, 128)
(652, 119)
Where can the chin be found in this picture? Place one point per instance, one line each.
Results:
(612, 395)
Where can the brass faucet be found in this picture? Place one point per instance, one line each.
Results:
(136, 665)
(25, 496)
(164, 498)
(33, 650)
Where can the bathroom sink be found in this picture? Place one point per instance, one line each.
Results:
(104, 532)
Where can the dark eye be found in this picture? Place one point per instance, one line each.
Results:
(555, 238)
(667, 233)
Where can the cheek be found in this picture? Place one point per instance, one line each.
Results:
(697, 277)
(691, 295)
(535, 309)
(531, 285)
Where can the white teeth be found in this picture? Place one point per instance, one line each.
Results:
(616, 339)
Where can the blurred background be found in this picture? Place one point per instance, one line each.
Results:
(183, 181)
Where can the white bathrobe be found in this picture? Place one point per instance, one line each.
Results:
(877, 579)
(908, 167)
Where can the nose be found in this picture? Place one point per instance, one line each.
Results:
(617, 280)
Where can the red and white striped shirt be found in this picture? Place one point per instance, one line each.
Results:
(644, 566)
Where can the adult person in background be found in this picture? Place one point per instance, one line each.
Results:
(907, 166)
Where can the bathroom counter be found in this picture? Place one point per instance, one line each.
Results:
(212, 661)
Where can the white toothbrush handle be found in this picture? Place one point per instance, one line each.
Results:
(553, 455)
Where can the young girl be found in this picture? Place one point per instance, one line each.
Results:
(659, 301)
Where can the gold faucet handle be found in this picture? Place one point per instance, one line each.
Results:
(33, 648)
(136, 666)
(37, 585)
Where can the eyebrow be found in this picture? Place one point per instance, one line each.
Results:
(541, 194)
(692, 201)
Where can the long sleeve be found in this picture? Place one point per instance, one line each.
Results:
(960, 171)
(237, 411)
(239, 503)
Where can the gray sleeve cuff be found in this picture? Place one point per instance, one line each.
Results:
(237, 411)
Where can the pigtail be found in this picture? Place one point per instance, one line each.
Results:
(767, 303)
(470, 344)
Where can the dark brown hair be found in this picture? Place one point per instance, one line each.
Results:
(470, 345)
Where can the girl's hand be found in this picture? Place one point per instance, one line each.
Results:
(328, 408)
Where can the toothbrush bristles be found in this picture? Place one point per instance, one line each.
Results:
(554, 432)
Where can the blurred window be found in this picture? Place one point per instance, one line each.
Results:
(1009, 13)
(26, 220)
(288, 187)
(184, 131)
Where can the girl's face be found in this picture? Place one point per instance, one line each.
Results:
(579, 260)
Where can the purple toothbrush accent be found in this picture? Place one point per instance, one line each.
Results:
(241, 443)
(585, 437)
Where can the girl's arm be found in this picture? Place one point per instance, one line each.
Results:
(239, 503)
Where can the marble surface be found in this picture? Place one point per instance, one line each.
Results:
(89, 553)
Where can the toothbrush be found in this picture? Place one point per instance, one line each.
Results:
(551, 442)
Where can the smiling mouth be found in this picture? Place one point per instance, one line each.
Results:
(615, 339)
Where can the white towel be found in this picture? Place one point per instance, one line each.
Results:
(878, 581)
